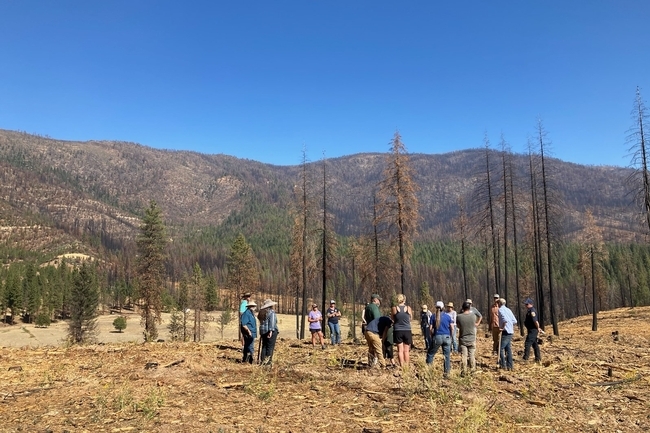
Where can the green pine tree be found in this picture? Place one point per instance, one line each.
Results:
(151, 244)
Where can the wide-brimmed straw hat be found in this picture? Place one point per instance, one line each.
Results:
(268, 303)
(251, 303)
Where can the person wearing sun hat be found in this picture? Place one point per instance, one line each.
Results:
(333, 315)
(268, 331)
(249, 332)
(532, 327)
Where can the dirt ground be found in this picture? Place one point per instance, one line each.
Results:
(588, 382)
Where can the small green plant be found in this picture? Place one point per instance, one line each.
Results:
(150, 405)
(124, 401)
(42, 320)
(120, 323)
(224, 318)
(261, 384)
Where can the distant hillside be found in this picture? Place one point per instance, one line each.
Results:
(56, 194)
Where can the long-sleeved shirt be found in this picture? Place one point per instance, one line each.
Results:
(248, 320)
(507, 320)
(494, 316)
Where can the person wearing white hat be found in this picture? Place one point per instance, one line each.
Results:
(441, 327)
(268, 331)
(249, 332)
(477, 313)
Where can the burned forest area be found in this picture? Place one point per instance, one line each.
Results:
(588, 381)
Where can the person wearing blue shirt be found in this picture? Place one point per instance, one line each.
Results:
(507, 322)
(249, 332)
(442, 327)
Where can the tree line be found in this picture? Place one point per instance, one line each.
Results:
(508, 238)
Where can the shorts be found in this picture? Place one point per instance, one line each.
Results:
(315, 331)
(405, 337)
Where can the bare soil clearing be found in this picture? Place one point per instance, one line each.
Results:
(588, 382)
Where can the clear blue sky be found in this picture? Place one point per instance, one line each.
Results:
(262, 79)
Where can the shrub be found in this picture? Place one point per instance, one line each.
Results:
(42, 320)
(120, 323)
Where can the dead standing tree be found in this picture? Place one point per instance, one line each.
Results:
(639, 180)
(328, 245)
(551, 206)
(398, 204)
(594, 256)
(302, 253)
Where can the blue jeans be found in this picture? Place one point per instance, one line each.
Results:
(268, 346)
(426, 333)
(335, 332)
(454, 342)
(443, 341)
(249, 349)
(505, 357)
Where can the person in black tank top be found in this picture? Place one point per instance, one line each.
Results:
(402, 335)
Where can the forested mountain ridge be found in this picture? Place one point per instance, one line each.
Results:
(69, 192)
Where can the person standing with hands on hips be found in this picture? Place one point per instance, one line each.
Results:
(333, 315)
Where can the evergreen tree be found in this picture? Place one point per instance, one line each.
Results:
(211, 294)
(151, 243)
(243, 275)
(83, 306)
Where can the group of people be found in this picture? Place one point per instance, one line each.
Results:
(268, 329)
(443, 329)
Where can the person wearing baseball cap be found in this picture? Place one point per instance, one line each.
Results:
(477, 313)
(333, 315)
(494, 325)
(441, 327)
(371, 312)
(532, 327)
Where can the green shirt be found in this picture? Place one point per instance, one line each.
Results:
(372, 312)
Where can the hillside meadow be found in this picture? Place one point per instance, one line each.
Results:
(588, 382)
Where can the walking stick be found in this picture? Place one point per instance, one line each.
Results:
(499, 351)
(259, 350)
